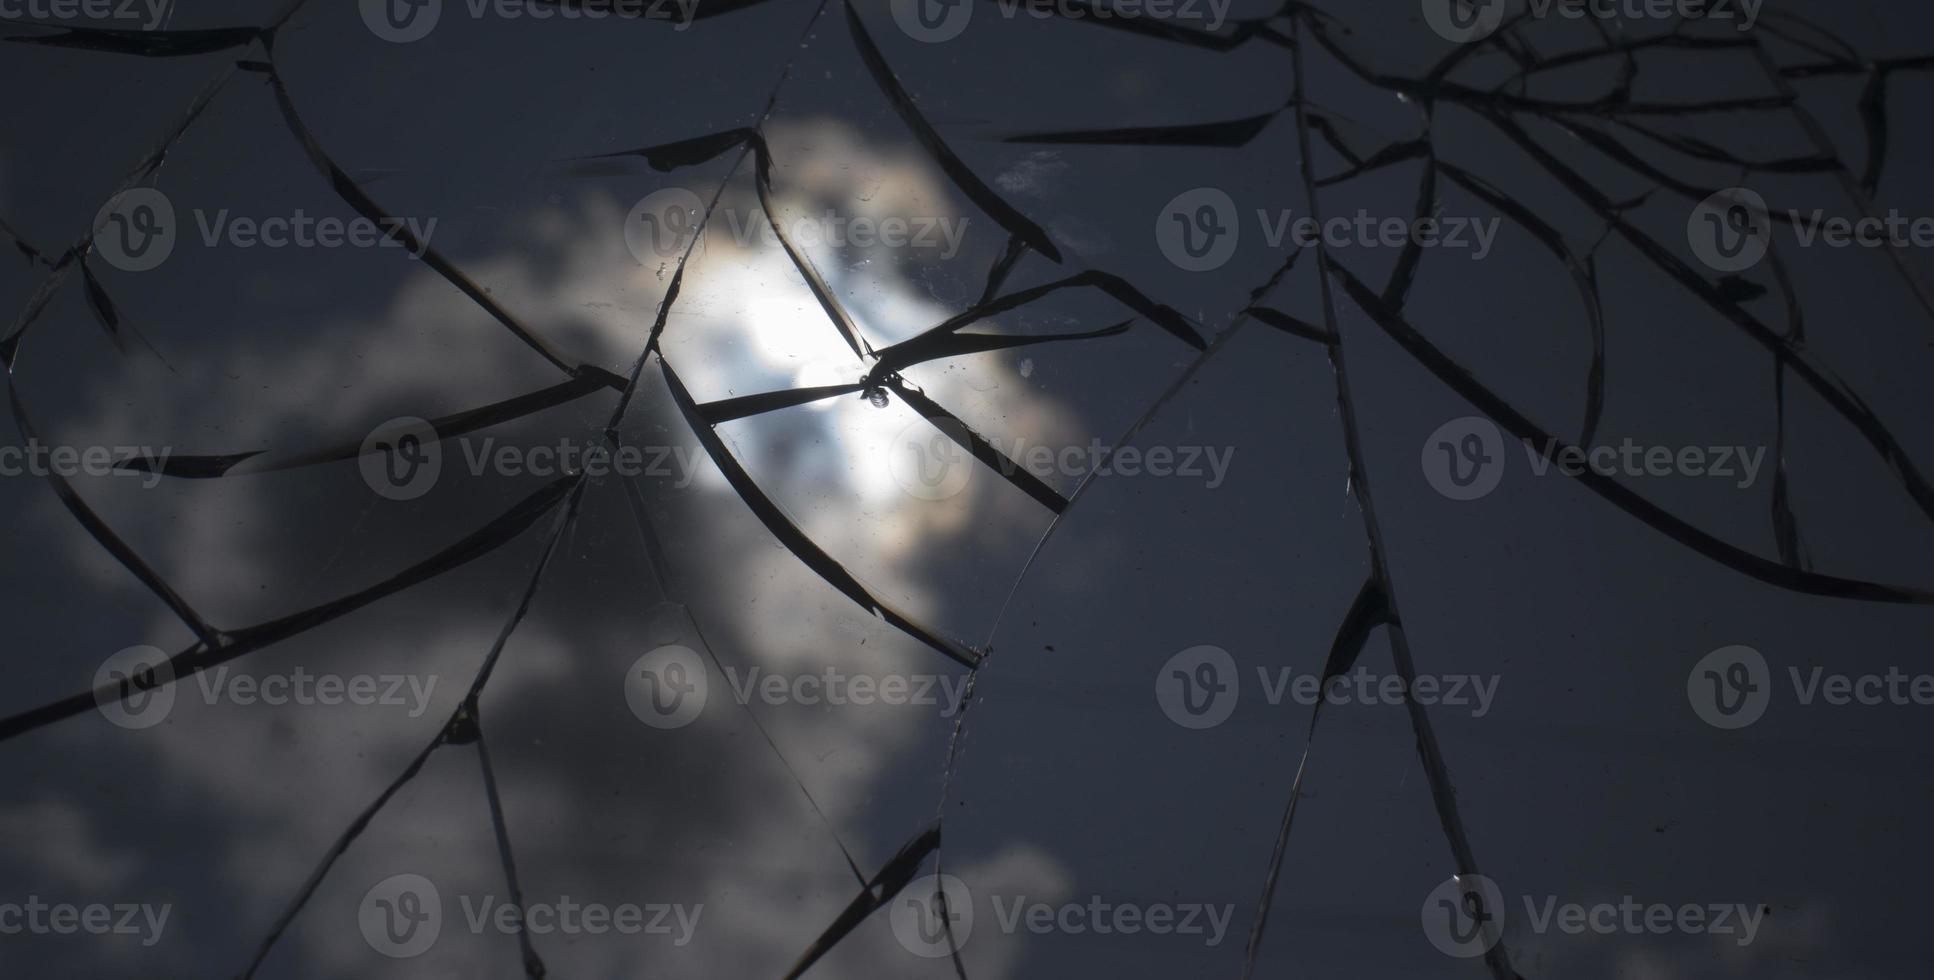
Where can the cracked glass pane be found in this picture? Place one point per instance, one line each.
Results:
(945, 488)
